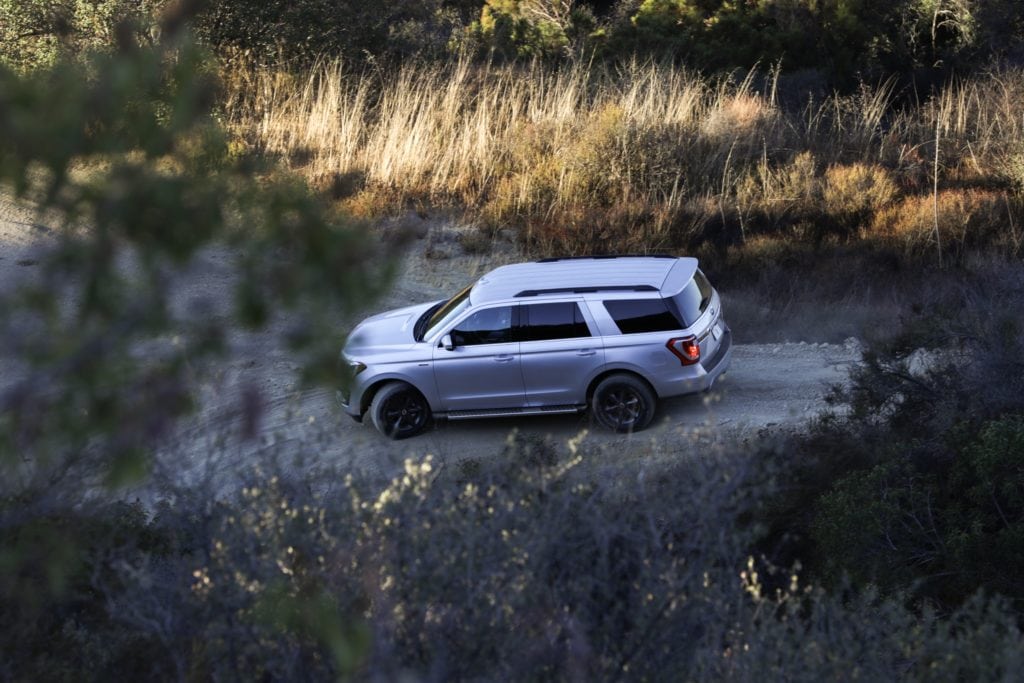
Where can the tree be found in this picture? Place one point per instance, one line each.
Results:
(37, 32)
(120, 149)
(302, 31)
(534, 28)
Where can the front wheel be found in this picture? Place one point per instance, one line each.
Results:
(399, 411)
(623, 403)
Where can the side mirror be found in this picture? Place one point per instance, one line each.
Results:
(446, 342)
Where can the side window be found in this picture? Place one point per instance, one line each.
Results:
(694, 299)
(489, 326)
(634, 316)
(553, 321)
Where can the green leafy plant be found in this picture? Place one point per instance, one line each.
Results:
(37, 33)
(121, 151)
(913, 486)
(534, 28)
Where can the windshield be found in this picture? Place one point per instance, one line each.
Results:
(446, 313)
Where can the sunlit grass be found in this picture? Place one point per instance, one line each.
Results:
(643, 156)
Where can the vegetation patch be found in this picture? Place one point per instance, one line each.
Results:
(886, 542)
(649, 157)
(911, 485)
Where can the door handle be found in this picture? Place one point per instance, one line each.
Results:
(586, 352)
(504, 358)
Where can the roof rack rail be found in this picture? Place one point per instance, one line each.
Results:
(587, 290)
(553, 259)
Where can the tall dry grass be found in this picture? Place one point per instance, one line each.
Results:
(644, 156)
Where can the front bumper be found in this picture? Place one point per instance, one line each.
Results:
(343, 402)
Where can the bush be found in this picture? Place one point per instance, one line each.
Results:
(299, 32)
(122, 154)
(965, 219)
(849, 41)
(941, 529)
(912, 486)
(853, 193)
(523, 566)
(35, 33)
(533, 28)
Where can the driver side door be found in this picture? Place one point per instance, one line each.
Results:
(483, 371)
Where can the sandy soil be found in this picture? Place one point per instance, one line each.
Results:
(770, 386)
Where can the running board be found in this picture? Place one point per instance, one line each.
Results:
(511, 412)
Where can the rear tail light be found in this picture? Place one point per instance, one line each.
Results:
(686, 349)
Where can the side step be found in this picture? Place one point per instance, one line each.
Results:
(511, 412)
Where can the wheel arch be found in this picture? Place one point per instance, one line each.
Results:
(618, 371)
(371, 391)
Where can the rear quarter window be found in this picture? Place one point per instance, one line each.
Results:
(694, 299)
(635, 316)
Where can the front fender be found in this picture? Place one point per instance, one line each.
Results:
(420, 376)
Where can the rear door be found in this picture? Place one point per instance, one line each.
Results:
(559, 353)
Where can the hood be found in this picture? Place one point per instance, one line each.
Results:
(390, 331)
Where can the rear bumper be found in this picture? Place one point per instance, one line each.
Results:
(719, 363)
(699, 377)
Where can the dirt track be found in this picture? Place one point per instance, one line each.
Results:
(768, 386)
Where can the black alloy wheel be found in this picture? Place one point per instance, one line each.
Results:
(400, 411)
(623, 403)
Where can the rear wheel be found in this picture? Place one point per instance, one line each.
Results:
(399, 411)
(623, 403)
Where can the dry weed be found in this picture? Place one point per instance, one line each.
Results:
(583, 157)
(964, 219)
(852, 194)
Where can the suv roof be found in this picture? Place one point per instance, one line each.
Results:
(665, 274)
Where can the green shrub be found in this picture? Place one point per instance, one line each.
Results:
(878, 527)
(942, 529)
(533, 28)
(847, 40)
(517, 567)
(303, 31)
(986, 535)
(35, 33)
(915, 486)
(122, 154)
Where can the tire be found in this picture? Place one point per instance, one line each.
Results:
(623, 403)
(399, 411)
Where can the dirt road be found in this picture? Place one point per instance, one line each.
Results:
(768, 386)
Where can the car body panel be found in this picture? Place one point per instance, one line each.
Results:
(504, 283)
(557, 372)
(389, 332)
(485, 376)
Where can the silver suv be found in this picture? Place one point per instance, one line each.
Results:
(612, 333)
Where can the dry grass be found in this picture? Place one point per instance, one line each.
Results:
(643, 157)
(854, 192)
(964, 219)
